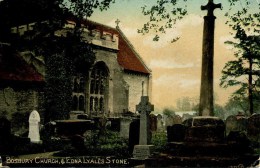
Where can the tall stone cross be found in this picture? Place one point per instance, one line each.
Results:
(144, 108)
(206, 88)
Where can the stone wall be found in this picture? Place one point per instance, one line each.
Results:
(17, 103)
(118, 88)
(135, 88)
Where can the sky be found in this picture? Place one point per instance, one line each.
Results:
(176, 67)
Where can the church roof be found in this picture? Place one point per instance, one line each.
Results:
(16, 69)
(127, 56)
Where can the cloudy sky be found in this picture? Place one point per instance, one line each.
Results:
(176, 67)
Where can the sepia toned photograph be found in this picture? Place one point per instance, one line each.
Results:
(130, 83)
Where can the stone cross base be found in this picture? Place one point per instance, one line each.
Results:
(142, 152)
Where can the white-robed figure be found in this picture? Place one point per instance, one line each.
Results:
(34, 127)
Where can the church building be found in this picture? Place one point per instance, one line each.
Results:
(113, 85)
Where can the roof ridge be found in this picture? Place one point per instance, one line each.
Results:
(133, 49)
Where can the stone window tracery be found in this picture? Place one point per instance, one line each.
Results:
(78, 94)
(98, 86)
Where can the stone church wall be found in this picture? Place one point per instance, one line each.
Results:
(135, 88)
(118, 88)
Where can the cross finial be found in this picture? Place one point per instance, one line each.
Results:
(211, 7)
(117, 23)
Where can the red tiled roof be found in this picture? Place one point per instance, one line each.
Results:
(16, 69)
(127, 57)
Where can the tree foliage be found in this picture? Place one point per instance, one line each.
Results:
(244, 71)
(164, 14)
(168, 112)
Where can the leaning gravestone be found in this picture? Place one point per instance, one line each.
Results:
(144, 149)
(34, 127)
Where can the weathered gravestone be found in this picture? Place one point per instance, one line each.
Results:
(253, 127)
(5, 135)
(34, 127)
(236, 123)
(160, 127)
(153, 122)
(144, 149)
(124, 127)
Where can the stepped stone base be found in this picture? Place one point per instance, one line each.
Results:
(142, 152)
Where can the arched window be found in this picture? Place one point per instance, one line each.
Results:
(78, 94)
(98, 88)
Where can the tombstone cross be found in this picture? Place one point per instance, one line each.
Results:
(206, 88)
(144, 108)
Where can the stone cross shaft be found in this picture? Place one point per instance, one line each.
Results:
(206, 89)
(144, 108)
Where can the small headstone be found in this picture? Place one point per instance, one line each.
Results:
(153, 122)
(34, 127)
(160, 127)
(124, 127)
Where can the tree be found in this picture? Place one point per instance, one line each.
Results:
(64, 56)
(168, 112)
(244, 70)
(164, 14)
